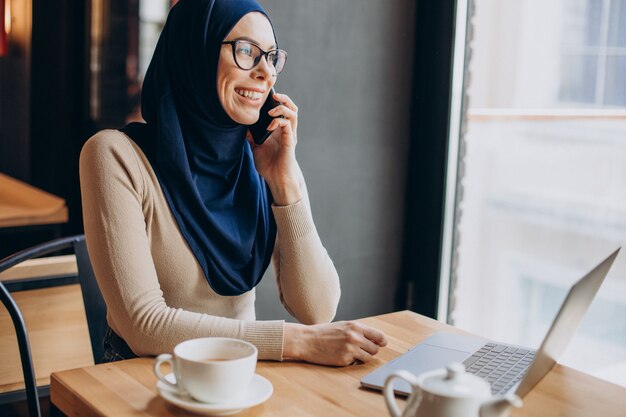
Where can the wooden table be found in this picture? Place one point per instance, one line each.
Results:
(127, 388)
(27, 215)
(22, 204)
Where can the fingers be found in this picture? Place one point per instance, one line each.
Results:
(370, 333)
(276, 123)
(284, 111)
(369, 346)
(363, 356)
(285, 100)
(341, 343)
(288, 137)
(375, 336)
(287, 110)
(366, 341)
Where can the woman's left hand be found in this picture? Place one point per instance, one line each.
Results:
(276, 158)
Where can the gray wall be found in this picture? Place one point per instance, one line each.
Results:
(349, 70)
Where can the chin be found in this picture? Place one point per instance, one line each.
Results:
(246, 118)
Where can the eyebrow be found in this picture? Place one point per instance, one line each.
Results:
(245, 38)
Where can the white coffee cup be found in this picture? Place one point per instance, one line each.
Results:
(210, 369)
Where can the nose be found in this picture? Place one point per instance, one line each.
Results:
(264, 70)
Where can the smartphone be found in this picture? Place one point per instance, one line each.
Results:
(259, 129)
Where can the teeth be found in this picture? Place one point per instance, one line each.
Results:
(249, 94)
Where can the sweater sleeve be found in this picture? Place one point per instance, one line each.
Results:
(119, 248)
(306, 277)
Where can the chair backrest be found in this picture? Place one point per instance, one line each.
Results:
(24, 347)
(95, 307)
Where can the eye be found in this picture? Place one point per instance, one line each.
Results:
(272, 57)
(244, 49)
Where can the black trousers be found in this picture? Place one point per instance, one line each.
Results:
(116, 348)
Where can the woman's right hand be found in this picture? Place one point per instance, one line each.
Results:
(339, 344)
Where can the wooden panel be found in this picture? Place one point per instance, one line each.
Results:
(51, 266)
(128, 388)
(57, 330)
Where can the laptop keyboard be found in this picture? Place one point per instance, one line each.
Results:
(501, 365)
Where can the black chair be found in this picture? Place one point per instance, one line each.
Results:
(95, 310)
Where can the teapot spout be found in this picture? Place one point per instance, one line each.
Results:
(500, 406)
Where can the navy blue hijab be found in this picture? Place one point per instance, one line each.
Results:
(200, 155)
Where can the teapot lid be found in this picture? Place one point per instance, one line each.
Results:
(455, 382)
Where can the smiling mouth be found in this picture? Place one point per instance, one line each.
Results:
(249, 94)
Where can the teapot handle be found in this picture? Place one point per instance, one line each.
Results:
(413, 400)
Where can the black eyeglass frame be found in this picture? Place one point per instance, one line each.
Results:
(234, 43)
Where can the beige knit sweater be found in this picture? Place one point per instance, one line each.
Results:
(155, 290)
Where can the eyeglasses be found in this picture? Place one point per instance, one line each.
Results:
(248, 55)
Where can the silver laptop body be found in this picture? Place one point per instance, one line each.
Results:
(508, 368)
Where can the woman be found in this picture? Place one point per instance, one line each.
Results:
(183, 213)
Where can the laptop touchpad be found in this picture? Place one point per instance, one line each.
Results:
(420, 359)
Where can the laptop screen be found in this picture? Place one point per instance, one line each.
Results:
(564, 325)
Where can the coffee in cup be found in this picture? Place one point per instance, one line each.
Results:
(210, 369)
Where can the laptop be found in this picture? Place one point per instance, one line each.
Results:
(508, 368)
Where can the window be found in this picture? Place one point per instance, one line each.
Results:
(152, 16)
(593, 53)
(537, 180)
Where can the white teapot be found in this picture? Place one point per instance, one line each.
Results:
(450, 392)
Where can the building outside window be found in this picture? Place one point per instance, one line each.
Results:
(539, 175)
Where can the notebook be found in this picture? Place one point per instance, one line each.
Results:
(508, 368)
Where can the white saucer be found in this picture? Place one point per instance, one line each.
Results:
(260, 390)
